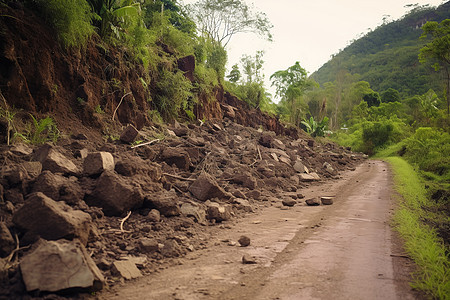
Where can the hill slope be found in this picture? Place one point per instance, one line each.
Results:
(388, 56)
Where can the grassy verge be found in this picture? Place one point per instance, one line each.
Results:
(421, 241)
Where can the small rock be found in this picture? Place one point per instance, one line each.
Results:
(54, 161)
(21, 149)
(171, 249)
(154, 216)
(299, 167)
(245, 180)
(127, 269)
(285, 160)
(97, 162)
(266, 140)
(181, 131)
(244, 241)
(148, 245)
(129, 134)
(308, 177)
(177, 157)
(194, 210)
(206, 187)
(255, 194)
(312, 202)
(326, 200)
(165, 202)
(218, 212)
(243, 205)
(249, 260)
(289, 202)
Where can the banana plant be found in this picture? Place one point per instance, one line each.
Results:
(315, 128)
(114, 16)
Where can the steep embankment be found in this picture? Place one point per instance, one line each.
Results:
(83, 88)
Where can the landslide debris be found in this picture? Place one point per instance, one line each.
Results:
(133, 209)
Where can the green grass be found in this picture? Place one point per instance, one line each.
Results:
(421, 241)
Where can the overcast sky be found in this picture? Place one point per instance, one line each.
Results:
(310, 31)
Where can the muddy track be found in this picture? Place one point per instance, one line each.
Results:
(342, 251)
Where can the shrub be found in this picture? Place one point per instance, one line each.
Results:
(70, 18)
(429, 148)
(173, 92)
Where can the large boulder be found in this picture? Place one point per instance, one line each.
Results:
(115, 194)
(52, 220)
(97, 162)
(60, 265)
(54, 161)
(206, 187)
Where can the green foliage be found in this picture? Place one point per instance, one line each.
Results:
(291, 84)
(316, 128)
(437, 50)
(170, 10)
(216, 59)
(429, 148)
(372, 99)
(421, 242)
(8, 116)
(173, 93)
(70, 18)
(390, 95)
(41, 131)
(114, 16)
(235, 74)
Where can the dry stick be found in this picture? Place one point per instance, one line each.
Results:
(259, 152)
(123, 221)
(146, 143)
(178, 177)
(120, 102)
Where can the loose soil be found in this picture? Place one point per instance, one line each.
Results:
(343, 251)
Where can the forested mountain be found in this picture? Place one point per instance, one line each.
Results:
(387, 57)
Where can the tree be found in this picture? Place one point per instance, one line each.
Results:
(438, 50)
(252, 66)
(220, 20)
(235, 74)
(290, 85)
(390, 95)
(372, 99)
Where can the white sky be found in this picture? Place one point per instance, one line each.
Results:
(310, 31)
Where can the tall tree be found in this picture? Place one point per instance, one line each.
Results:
(290, 85)
(438, 50)
(220, 20)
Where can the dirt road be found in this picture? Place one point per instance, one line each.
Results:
(341, 251)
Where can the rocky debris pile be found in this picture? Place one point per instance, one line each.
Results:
(80, 215)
